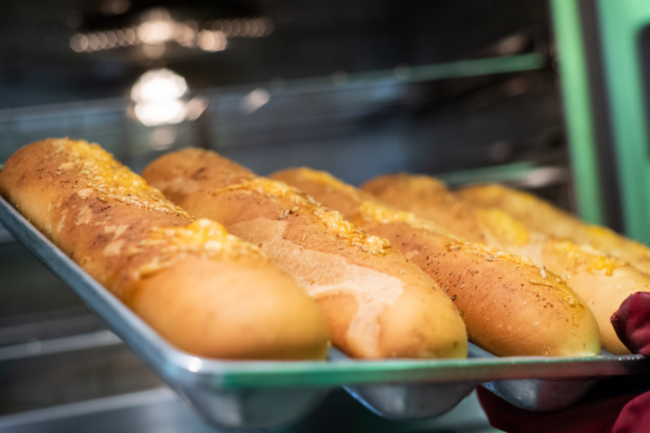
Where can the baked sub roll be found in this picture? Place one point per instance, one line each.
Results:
(604, 282)
(205, 291)
(378, 304)
(511, 307)
(539, 216)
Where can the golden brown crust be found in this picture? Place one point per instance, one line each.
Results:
(602, 281)
(190, 281)
(510, 306)
(427, 198)
(377, 302)
(542, 217)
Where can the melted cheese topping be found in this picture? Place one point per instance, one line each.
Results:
(423, 183)
(599, 231)
(385, 215)
(503, 227)
(324, 178)
(610, 241)
(588, 257)
(203, 237)
(106, 179)
(493, 194)
(333, 220)
(492, 254)
(369, 209)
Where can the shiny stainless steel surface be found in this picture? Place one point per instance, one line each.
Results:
(535, 394)
(407, 400)
(265, 394)
(542, 395)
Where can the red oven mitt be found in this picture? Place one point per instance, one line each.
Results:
(599, 412)
(632, 323)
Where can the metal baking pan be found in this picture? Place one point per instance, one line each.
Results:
(409, 401)
(262, 394)
(539, 395)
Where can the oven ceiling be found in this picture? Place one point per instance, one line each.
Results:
(310, 38)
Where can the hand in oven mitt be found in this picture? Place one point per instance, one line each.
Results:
(615, 405)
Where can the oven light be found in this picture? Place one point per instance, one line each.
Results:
(158, 98)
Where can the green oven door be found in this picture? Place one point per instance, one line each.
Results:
(615, 58)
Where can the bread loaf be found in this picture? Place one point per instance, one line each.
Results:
(604, 282)
(510, 306)
(542, 217)
(378, 303)
(205, 291)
